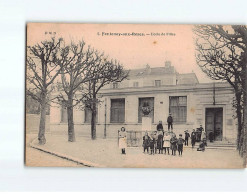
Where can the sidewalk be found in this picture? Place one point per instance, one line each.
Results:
(37, 158)
(105, 153)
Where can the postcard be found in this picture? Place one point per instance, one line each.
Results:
(136, 95)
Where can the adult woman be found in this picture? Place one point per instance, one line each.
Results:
(122, 140)
(166, 144)
(193, 138)
(204, 137)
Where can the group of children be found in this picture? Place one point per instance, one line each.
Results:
(164, 142)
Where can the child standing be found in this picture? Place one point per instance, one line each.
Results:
(155, 139)
(151, 145)
(180, 145)
(160, 142)
(173, 142)
(169, 122)
(187, 135)
(193, 138)
(167, 144)
(122, 142)
(146, 140)
(204, 137)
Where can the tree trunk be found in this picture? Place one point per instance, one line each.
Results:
(41, 136)
(244, 132)
(71, 131)
(239, 118)
(93, 121)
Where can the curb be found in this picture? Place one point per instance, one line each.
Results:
(66, 157)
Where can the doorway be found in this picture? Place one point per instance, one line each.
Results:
(214, 123)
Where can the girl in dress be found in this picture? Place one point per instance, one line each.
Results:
(166, 144)
(122, 140)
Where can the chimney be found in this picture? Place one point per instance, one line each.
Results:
(148, 69)
(169, 68)
(167, 64)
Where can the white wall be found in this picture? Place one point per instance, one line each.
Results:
(131, 109)
(55, 113)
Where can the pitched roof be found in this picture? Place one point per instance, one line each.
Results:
(151, 71)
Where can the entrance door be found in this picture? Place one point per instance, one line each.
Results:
(214, 122)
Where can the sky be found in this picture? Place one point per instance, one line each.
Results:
(161, 43)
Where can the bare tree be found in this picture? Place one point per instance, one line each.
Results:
(76, 66)
(42, 69)
(103, 73)
(222, 54)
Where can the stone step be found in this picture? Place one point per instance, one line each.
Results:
(218, 145)
(222, 144)
(213, 148)
(232, 145)
(222, 148)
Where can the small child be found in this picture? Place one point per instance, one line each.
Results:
(151, 145)
(160, 143)
(180, 145)
(193, 138)
(166, 142)
(173, 142)
(201, 147)
(154, 136)
(187, 135)
(146, 140)
(122, 142)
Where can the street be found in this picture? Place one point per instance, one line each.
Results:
(38, 158)
(105, 153)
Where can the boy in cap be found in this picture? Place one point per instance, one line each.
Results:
(180, 144)
(170, 121)
(193, 138)
(173, 142)
(187, 135)
(151, 145)
(159, 127)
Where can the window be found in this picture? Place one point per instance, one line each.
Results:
(117, 110)
(88, 115)
(64, 115)
(115, 85)
(135, 84)
(178, 108)
(146, 101)
(157, 83)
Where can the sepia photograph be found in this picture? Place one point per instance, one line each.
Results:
(136, 95)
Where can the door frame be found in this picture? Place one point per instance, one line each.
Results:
(223, 106)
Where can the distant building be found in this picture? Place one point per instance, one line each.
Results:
(166, 91)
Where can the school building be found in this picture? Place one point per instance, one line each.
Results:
(166, 91)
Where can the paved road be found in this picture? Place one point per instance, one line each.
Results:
(38, 158)
(105, 153)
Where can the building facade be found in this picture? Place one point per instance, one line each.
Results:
(191, 103)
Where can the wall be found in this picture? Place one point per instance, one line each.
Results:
(199, 98)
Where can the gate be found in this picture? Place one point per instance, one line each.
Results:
(134, 138)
